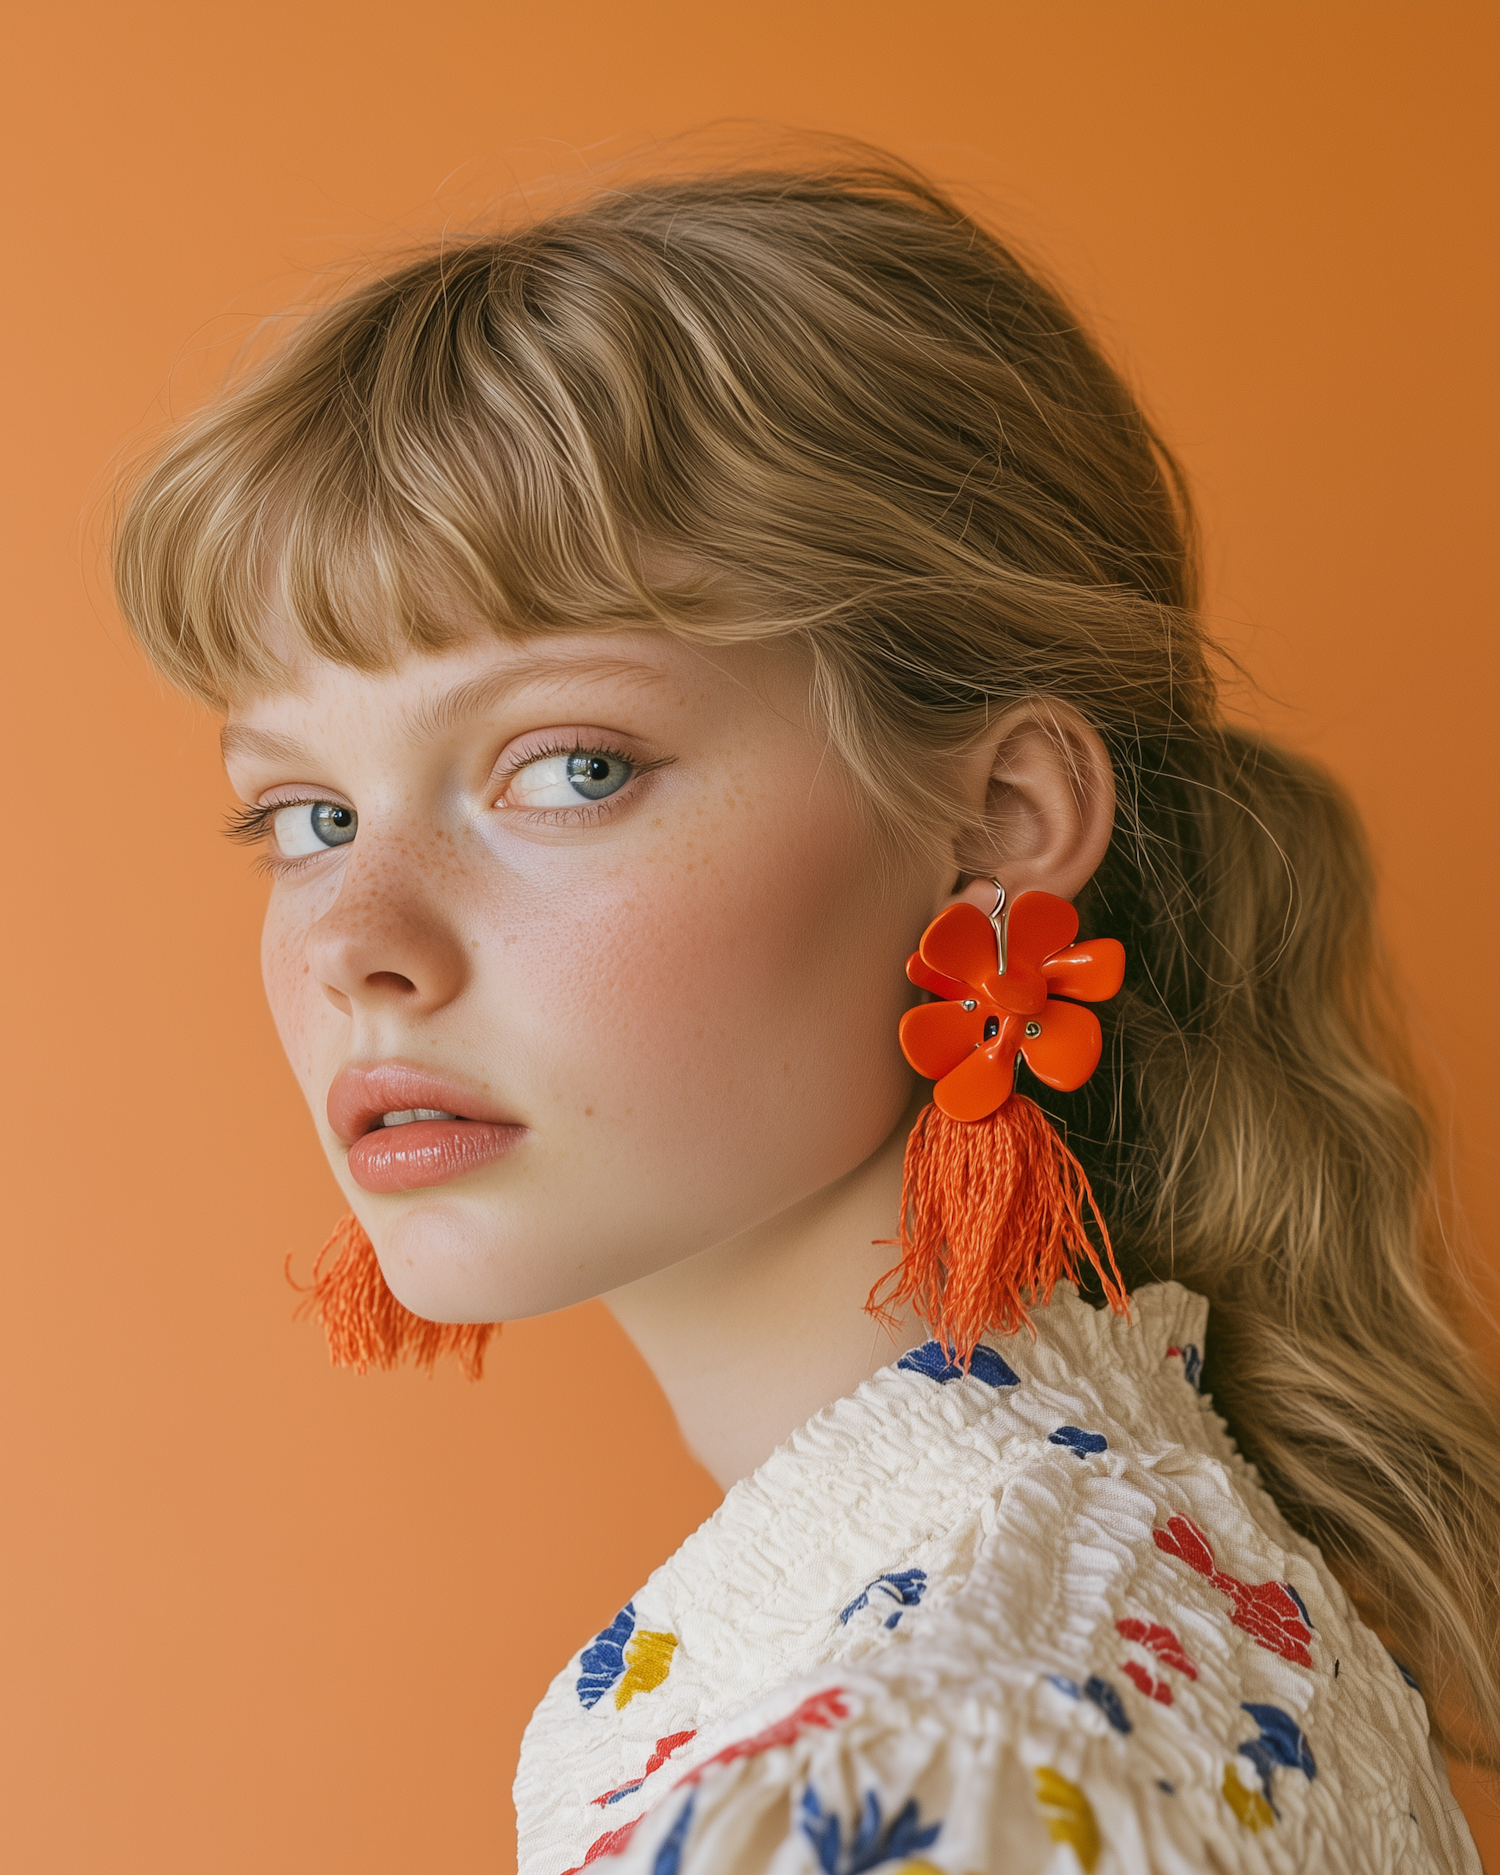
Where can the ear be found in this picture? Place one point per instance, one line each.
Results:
(1042, 779)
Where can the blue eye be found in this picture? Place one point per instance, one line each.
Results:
(595, 776)
(566, 780)
(312, 826)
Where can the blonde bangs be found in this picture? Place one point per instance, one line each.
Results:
(724, 375)
(366, 494)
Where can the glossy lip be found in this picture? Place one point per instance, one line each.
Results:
(422, 1152)
(359, 1096)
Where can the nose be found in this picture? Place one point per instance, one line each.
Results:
(386, 943)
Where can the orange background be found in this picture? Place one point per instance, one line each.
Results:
(259, 1615)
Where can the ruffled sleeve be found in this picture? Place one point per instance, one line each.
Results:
(857, 1774)
(852, 1776)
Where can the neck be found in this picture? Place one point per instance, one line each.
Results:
(751, 1338)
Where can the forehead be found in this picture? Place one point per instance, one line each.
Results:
(428, 694)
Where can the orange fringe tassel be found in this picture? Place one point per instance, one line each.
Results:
(366, 1326)
(991, 1216)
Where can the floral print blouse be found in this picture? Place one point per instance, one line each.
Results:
(1036, 1616)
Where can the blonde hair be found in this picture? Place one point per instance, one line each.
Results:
(826, 391)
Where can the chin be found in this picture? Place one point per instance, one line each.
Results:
(447, 1262)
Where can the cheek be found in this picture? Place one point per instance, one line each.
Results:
(731, 1014)
(302, 1014)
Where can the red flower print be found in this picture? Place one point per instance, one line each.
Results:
(821, 1712)
(674, 1741)
(1153, 1689)
(1162, 1642)
(968, 1043)
(1267, 1611)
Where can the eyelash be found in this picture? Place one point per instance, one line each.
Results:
(248, 826)
(251, 826)
(586, 810)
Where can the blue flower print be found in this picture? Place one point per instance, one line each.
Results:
(1107, 1700)
(1081, 1442)
(1098, 1693)
(937, 1363)
(1405, 1672)
(603, 1660)
(904, 1587)
(668, 1858)
(1192, 1364)
(1280, 1743)
(1192, 1361)
(873, 1843)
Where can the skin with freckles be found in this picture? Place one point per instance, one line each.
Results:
(617, 902)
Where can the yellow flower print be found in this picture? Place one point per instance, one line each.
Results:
(1248, 1805)
(1070, 1815)
(648, 1661)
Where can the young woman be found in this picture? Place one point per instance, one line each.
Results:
(640, 634)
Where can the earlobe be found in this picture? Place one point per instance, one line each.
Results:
(1045, 787)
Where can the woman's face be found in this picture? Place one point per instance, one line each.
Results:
(609, 909)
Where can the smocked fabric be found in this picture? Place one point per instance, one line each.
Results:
(1033, 1617)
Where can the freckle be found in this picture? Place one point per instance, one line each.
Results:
(588, 1113)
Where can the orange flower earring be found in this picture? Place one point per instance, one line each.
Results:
(992, 1200)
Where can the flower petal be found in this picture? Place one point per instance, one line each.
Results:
(1021, 990)
(1067, 1051)
(1039, 924)
(926, 978)
(1092, 971)
(983, 1081)
(960, 942)
(935, 1037)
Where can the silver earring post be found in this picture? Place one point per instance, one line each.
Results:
(998, 921)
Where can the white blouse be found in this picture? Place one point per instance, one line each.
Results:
(1035, 1617)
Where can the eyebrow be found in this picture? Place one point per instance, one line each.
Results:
(241, 739)
(428, 720)
(477, 694)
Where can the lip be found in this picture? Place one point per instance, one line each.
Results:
(421, 1152)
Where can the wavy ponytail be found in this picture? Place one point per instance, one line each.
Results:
(1259, 1138)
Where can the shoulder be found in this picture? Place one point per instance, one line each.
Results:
(978, 1615)
(1133, 1664)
